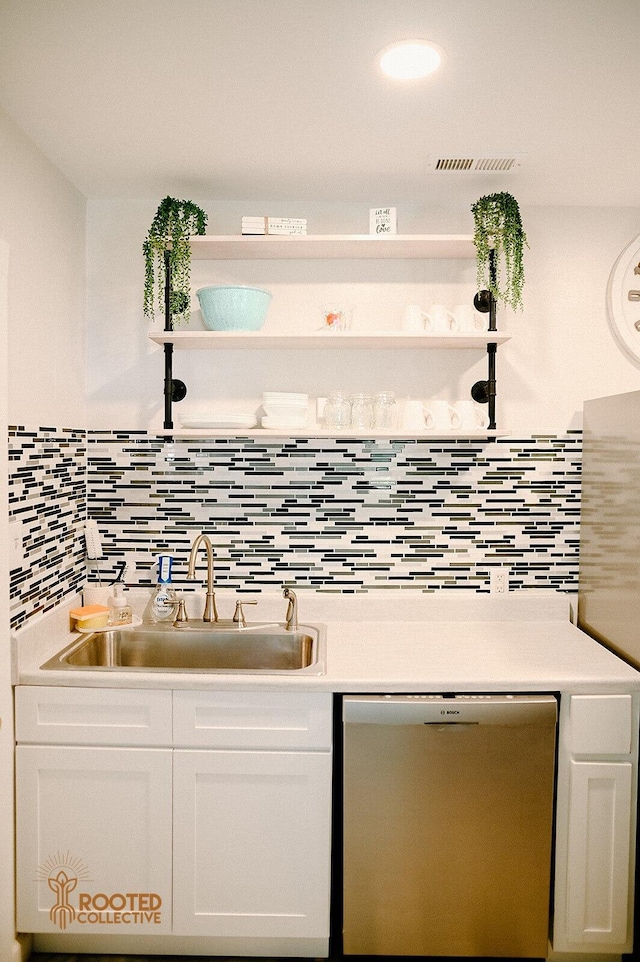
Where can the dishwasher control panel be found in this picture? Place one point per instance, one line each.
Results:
(450, 709)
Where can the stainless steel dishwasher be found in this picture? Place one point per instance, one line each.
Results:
(447, 824)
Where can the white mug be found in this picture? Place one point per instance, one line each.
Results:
(440, 415)
(412, 418)
(413, 318)
(471, 415)
(439, 318)
(468, 319)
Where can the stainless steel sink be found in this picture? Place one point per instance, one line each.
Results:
(270, 649)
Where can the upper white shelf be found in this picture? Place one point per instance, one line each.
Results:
(398, 434)
(274, 246)
(208, 340)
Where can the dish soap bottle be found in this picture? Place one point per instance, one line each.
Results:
(120, 612)
(162, 605)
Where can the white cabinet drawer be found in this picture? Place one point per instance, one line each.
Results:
(252, 720)
(93, 716)
(601, 724)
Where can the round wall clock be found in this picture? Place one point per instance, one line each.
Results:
(623, 299)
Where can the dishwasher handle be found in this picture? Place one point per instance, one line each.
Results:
(510, 710)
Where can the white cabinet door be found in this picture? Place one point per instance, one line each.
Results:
(252, 843)
(599, 852)
(94, 840)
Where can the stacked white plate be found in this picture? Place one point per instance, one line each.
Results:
(230, 420)
(284, 410)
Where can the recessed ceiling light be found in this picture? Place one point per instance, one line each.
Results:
(410, 59)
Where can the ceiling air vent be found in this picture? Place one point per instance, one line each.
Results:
(454, 163)
(493, 163)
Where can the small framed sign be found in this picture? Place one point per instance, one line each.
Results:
(382, 220)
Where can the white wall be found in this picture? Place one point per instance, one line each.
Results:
(42, 217)
(6, 702)
(42, 316)
(562, 350)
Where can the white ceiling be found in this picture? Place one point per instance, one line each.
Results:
(280, 99)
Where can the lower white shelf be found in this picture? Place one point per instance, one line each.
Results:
(483, 435)
(208, 340)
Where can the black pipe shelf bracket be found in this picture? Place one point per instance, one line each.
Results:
(174, 390)
(484, 392)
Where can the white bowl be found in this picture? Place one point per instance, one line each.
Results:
(285, 398)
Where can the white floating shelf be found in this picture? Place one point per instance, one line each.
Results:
(208, 340)
(264, 434)
(261, 247)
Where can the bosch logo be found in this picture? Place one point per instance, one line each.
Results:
(449, 711)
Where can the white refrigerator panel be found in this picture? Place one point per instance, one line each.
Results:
(609, 589)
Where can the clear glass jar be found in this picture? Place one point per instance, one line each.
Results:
(337, 410)
(362, 415)
(384, 410)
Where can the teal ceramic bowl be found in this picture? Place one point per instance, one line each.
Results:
(233, 308)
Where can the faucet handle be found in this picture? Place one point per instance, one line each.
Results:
(181, 615)
(238, 615)
(291, 617)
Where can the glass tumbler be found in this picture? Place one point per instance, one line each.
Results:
(337, 410)
(384, 410)
(362, 413)
(336, 317)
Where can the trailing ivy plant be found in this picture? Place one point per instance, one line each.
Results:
(174, 223)
(498, 228)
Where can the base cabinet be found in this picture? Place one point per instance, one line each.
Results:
(199, 847)
(199, 823)
(596, 824)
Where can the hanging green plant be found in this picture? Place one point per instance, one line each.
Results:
(498, 228)
(174, 223)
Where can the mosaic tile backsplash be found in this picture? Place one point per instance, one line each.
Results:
(48, 494)
(327, 514)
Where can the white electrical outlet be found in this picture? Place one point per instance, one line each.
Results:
(498, 581)
(129, 565)
(16, 532)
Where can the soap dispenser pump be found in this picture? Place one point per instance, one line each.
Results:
(120, 611)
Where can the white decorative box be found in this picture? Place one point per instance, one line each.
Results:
(274, 225)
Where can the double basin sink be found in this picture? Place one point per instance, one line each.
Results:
(256, 649)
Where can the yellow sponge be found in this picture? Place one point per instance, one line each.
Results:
(90, 616)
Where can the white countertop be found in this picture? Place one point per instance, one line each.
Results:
(386, 643)
(472, 656)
